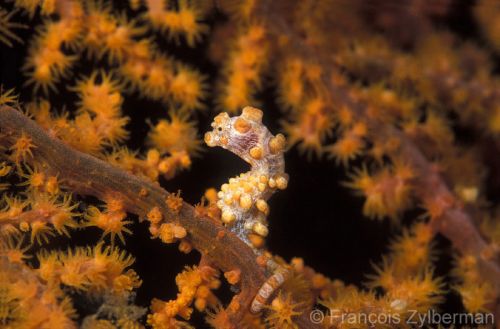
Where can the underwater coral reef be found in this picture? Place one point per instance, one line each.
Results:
(249, 164)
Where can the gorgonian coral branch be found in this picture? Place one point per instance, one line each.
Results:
(87, 175)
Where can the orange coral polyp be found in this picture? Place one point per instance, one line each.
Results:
(175, 135)
(386, 194)
(22, 148)
(111, 222)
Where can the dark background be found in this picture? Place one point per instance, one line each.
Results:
(314, 218)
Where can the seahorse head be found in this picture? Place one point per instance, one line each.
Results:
(239, 134)
(221, 132)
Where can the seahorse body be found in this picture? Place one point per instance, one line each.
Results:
(243, 200)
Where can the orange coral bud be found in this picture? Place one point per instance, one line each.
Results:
(233, 277)
(143, 192)
(234, 306)
(153, 157)
(52, 185)
(114, 204)
(211, 195)
(154, 215)
(166, 233)
(319, 281)
(174, 202)
(297, 264)
(185, 247)
(179, 232)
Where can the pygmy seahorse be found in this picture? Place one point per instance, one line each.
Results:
(243, 200)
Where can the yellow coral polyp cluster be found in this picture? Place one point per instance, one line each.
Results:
(476, 294)
(195, 285)
(39, 212)
(406, 273)
(185, 21)
(107, 34)
(102, 101)
(99, 122)
(406, 277)
(97, 270)
(168, 232)
(48, 209)
(25, 303)
(243, 70)
(387, 192)
(162, 78)
(47, 62)
(99, 94)
(291, 88)
(39, 181)
(157, 76)
(117, 39)
(173, 144)
(349, 145)
(310, 126)
(313, 115)
(175, 135)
